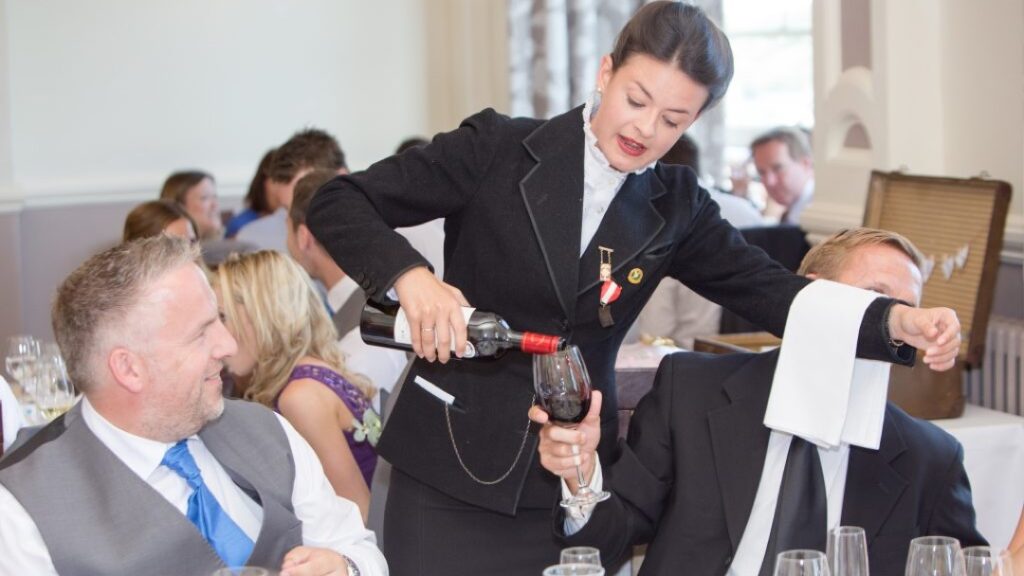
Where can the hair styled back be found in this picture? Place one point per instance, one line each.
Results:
(256, 197)
(828, 258)
(310, 148)
(796, 140)
(178, 184)
(151, 218)
(305, 189)
(288, 318)
(679, 33)
(98, 301)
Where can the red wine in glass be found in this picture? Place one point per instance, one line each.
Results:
(563, 388)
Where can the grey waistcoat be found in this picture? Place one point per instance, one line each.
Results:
(99, 518)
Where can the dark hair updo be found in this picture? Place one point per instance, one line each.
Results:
(683, 34)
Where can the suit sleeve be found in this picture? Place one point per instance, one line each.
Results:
(717, 263)
(953, 511)
(354, 216)
(640, 480)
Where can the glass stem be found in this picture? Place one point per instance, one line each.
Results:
(583, 487)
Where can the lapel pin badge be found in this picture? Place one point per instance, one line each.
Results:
(636, 275)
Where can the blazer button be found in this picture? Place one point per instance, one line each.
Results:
(565, 325)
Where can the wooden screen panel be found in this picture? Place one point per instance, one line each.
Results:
(941, 216)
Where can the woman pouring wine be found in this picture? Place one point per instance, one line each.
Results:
(564, 227)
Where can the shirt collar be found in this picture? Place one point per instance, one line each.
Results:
(141, 455)
(340, 293)
(594, 161)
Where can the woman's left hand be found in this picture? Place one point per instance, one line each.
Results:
(934, 330)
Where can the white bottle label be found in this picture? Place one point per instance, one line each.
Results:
(403, 335)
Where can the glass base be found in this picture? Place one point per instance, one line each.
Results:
(585, 497)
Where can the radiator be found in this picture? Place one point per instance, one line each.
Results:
(999, 382)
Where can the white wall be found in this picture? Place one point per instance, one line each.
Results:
(100, 100)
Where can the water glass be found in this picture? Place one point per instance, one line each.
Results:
(801, 563)
(847, 551)
(52, 388)
(22, 355)
(581, 555)
(574, 570)
(935, 556)
(984, 561)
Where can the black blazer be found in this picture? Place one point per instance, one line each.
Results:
(511, 193)
(686, 477)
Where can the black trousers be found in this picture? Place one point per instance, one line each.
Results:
(430, 533)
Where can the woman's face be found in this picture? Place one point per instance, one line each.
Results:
(242, 362)
(201, 205)
(181, 228)
(646, 105)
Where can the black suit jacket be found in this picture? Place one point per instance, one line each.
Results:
(686, 477)
(511, 192)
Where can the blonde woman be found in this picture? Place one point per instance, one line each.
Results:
(288, 355)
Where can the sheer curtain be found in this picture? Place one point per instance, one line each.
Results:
(555, 48)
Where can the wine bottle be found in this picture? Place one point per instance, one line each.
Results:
(487, 334)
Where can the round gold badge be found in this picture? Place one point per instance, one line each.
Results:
(635, 276)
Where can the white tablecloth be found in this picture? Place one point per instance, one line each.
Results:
(994, 458)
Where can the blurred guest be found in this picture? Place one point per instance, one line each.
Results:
(711, 487)
(153, 455)
(289, 354)
(158, 217)
(1016, 546)
(674, 311)
(345, 298)
(412, 142)
(196, 192)
(305, 151)
(782, 157)
(257, 203)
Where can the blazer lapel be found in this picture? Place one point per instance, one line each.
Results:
(739, 440)
(630, 225)
(553, 194)
(872, 484)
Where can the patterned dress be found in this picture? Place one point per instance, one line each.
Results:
(366, 423)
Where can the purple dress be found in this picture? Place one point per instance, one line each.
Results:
(357, 403)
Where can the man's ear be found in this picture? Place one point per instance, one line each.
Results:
(304, 238)
(127, 369)
(812, 276)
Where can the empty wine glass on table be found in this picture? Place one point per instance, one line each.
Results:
(935, 556)
(563, 388)
(801, 563)
(847, 551)
(574, 570)
(53, 392)
(580, 555)
(20, 362)
(984, 561)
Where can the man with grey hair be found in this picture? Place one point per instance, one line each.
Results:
(154, 471)
(782, 157)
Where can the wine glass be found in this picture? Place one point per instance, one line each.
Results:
(580, 555)
(984, 561)
(801, 563)
(847, 551)
(935, 556)
(562, 385)
(53, 391)
(22, 355)
(574, 570)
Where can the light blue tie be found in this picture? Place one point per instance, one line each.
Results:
(224, 536)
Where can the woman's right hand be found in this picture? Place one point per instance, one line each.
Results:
(434, 310)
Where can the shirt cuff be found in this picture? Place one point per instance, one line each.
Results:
(576, 517)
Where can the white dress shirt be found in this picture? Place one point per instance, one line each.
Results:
(328, 521)
(601, 182)
(339, 294)
(12, 415)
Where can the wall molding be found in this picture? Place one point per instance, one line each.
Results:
(14, 198)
